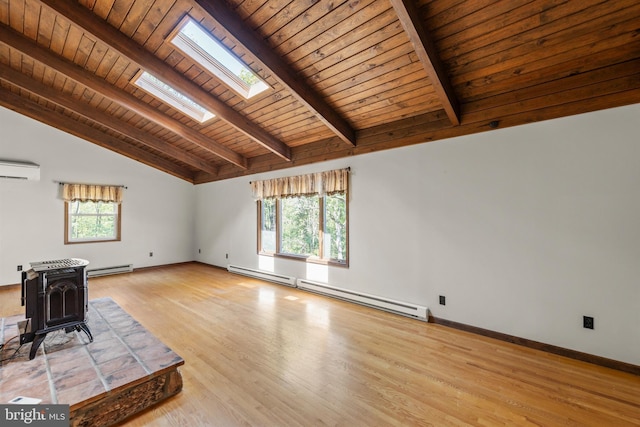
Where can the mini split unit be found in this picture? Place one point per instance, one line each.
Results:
(19, 170)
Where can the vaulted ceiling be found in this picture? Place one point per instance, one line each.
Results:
(345, 76)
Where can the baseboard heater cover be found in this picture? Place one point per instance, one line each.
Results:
(116, 269)
(264, 275)
(398, 307)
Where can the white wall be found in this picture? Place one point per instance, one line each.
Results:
(524, 230)
(157, 214)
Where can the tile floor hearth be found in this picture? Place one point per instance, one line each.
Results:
(68, 369)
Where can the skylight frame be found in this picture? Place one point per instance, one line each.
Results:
(210, 53)
(169, 95)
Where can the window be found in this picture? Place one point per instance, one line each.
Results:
(91, 213)
(267, 219)
(92, 221)
(197, 43)
(300, 226)
(309, 225)
(168, 94)
(335, 226)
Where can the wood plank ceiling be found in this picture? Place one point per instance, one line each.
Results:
(346, 76)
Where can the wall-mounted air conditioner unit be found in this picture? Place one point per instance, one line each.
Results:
(19, 170)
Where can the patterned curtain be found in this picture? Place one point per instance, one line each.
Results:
(93, 193)
(314, 183)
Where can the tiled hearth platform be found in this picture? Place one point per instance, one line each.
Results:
(123, 371)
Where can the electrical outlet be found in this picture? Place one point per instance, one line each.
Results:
(226, 256)
(150, 253)
(19, 268)
(587, 322)
(443, 300)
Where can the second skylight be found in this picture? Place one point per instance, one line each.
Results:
(171, 96)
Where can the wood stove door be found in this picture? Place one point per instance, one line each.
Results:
(64, 298)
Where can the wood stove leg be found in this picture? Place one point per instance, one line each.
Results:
(85, 328)
(35, 344)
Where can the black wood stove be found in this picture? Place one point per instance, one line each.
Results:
(55, 297)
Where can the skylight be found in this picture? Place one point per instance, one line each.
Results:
(168, 94)
(198, 43)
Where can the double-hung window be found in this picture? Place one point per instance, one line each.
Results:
(304, 217)
(92, 213)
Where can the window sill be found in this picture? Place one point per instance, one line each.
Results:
(77, 242)
(307, 259)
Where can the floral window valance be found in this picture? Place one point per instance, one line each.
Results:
(92, 193)
(314, 183)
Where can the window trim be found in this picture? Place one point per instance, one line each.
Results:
(67, 227)
(310, 259)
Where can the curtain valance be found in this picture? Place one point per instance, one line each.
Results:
(93, 193)
(314, 183)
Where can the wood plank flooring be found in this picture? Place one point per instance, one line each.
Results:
(260, 354)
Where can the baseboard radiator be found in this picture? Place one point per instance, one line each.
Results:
(105, 271)
(264, 275)
(398, 307)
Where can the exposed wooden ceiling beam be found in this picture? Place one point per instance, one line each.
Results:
(29, 48)
(428, 55)
(92, 24)
(16, 78)
(25, 106)
(278, 68)
(596, 90)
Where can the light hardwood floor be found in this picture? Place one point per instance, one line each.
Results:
(262, 354)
